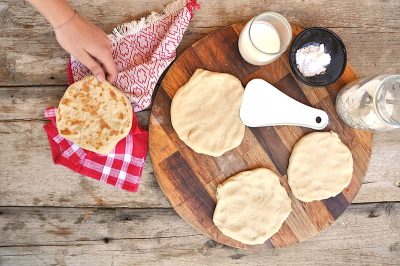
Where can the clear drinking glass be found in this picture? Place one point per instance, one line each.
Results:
(264, 38)
(371, 103)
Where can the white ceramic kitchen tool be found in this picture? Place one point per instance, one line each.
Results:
(264, 105)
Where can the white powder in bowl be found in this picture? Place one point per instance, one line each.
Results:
(312, 60)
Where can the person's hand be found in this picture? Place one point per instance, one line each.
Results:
(90, 46)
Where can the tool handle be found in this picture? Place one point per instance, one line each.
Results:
(265, 105)
(306, 116)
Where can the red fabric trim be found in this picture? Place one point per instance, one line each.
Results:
(69, 72)
(192, 6)
(55, 150)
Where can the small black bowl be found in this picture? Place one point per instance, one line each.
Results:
(333, 45)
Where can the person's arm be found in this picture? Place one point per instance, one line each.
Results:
(79, 37)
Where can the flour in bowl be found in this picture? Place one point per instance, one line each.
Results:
(312, 60)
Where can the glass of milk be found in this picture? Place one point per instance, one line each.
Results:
(264, 38)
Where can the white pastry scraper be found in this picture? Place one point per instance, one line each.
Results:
(264, 105)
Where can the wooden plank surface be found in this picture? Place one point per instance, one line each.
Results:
(26, 159)
(31, 56)
(26, 164)
(366, 234)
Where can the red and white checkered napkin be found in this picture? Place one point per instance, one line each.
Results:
(142, 50)
(122, 167)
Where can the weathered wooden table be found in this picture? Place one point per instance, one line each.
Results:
(52, 216)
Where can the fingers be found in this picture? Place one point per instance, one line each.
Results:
(107, 60)
(93, 66)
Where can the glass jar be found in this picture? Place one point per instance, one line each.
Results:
(371, 103)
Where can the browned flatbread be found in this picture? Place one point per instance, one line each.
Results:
(95, 115)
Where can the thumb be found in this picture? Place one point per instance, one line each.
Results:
(92, 65)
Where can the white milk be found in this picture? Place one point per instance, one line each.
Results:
(264, 45)
(265, 37)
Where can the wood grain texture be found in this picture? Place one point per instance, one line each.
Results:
(189, 180)
(21, 134)
(28, 176)
(366, 234)
(25, 158)
(30, 54)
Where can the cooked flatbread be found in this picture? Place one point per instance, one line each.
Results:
(205, 112)
(95, 115)
(251, 206)
(320, 166)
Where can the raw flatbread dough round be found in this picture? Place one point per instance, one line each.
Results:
(320, 167)
(205, 112)
(251, 206)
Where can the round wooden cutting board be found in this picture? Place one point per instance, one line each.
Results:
(189, 180)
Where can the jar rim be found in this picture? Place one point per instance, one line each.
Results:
(283, 20)
(378, 92)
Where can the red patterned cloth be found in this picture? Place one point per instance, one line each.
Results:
(142, 50)
(122, 167)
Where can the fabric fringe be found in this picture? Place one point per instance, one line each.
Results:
(192, 5)
(137, 25)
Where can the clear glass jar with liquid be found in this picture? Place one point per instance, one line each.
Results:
(371, 103)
